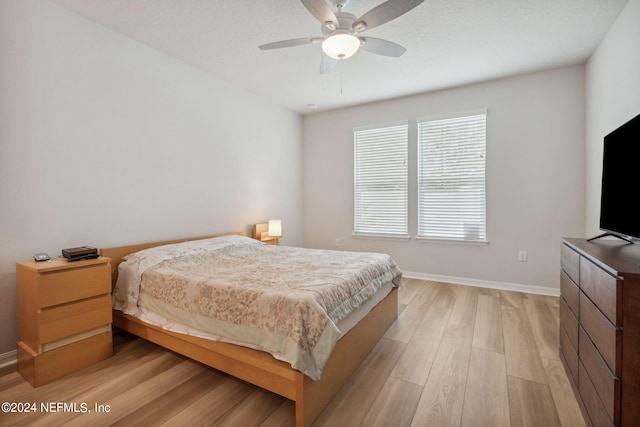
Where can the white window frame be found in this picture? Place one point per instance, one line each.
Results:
(381, 180)
(452, 154)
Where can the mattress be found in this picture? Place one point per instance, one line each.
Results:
(291, 302)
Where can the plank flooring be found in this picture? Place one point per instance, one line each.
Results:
(457, 356)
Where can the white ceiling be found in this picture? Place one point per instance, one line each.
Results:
(449, 43)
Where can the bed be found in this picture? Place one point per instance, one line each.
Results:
(271, 370)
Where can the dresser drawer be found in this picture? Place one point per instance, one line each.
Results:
(604, 382)
(570, 292)
(570, 262)
(570, 354)
(71, 319)
(593, 404)
(74, 284)
(569, 321)
(606, 337)
(603, 289)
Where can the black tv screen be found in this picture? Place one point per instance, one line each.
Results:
(620, 177)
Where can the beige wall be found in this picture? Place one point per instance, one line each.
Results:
(535, 178)
(104, 141)
(612, 98)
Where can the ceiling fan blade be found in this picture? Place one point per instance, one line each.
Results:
(383, 13)
(382, 47)
(290, 43)
(321, 10)
(327, 64)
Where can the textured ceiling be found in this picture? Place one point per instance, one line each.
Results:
(449, 43)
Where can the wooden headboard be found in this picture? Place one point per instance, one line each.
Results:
(116, 253)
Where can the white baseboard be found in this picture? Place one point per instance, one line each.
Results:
(8, 358)
(529, 289)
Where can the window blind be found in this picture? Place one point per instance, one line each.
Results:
(451, 178)
(381, 181)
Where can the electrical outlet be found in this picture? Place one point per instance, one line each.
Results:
(522, 256)
(337, 242)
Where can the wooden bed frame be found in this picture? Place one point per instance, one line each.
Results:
(261, 368)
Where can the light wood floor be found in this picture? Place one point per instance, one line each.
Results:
(457, 356)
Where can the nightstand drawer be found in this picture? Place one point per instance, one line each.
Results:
(570, 292)
(604, 382)
(604, 335)
(43, 368)
(73, 284)
(570, 262)
(603, 289)
(70, 319)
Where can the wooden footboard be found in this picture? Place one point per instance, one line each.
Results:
(263, 370)
(349, 352)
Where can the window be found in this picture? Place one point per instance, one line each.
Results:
(381, 180)
(451, 178)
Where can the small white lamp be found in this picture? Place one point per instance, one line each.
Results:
(275, 228)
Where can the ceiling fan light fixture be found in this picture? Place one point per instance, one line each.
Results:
(340, 45)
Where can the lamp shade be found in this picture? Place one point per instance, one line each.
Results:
(340, 45)
(275, 228)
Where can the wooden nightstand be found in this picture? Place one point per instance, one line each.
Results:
(64, 317)
(261, 232)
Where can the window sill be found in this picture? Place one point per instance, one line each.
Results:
(381, 236)
(455, 242)
(424, 240)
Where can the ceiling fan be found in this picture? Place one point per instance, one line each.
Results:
(341, 30)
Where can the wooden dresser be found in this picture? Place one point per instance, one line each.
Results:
(600, 327)
(64, 317)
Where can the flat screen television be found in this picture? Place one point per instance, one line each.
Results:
(619, 215)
